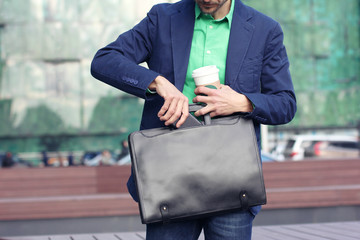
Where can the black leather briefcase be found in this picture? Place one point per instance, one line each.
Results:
(197, 170)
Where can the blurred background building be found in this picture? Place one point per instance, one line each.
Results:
(53, 113)
(50, 102)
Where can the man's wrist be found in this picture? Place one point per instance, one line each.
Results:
(244, 104)
(153, 85)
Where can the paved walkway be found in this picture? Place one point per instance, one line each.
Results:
(318, 231)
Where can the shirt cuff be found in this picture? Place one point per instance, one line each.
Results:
(150, 92)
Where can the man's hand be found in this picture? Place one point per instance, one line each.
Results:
(176, 104)
(221, 102)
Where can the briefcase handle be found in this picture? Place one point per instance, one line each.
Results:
(197, 106)
(193, 121)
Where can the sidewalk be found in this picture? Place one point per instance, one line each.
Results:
(315, 231)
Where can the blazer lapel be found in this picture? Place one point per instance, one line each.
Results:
(239, 41)
(182, 28)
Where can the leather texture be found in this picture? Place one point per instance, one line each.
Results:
(197, 170)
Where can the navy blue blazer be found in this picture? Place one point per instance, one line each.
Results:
(257, 64)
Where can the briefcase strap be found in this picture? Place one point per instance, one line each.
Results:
(164, 210)
(244, 200)
(197, 106)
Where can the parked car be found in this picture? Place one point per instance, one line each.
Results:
(334, 149)
(321, 146)
(267, 157)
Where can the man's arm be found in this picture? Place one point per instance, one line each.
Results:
(117, 65)
(275, 104)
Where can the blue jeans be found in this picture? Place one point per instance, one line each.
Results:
(230, 226)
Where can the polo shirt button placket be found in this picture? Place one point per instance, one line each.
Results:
(208, 52)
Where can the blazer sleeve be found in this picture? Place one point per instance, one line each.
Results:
(117, 63)
(276, 103)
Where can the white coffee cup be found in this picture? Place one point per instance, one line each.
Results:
(208, 75)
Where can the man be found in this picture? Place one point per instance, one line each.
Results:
(174, 39)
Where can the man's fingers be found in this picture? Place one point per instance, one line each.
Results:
(180, 113)
(170, 107)
(174, 102)
(204, 90)
(213, 114)
(164, 108)
(205, 95)
(201, 99)
(184, 115)
(204, 111)
(178, 110)
(172, 114)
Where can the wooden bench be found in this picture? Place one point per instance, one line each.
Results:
(312, 183)
(42, 193)
(73, 192)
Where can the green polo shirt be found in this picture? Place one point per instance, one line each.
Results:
(209, 46)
